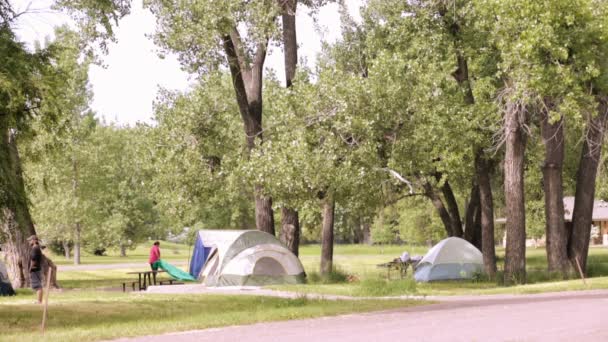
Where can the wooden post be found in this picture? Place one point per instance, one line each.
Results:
(580, 271)
(46, 299)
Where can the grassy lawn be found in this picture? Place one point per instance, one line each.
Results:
(87, 310)
(361, 262)
(97, 315)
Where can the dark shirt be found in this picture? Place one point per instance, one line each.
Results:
(35, 259)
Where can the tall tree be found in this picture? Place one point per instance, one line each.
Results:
(515, 146)
(582, 213)
(28, 89)
(290, 222)
(216, 26)
(552, 130)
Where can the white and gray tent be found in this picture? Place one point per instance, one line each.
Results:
(243, 257)
(452, 258)
(6, 289)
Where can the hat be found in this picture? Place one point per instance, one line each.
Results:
(32, 238)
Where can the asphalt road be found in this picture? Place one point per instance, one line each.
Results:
(570, 316)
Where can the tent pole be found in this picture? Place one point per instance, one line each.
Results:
(188, 260)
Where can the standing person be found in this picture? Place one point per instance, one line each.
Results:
(36, 267)
(154, 255)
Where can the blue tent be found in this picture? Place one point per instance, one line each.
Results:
(199, 256)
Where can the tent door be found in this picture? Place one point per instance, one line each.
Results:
(268, 266)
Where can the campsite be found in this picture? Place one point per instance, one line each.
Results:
(105, 312)
(325, 170)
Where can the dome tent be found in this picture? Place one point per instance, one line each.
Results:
(6, 289)
(243, 257)
(451, 258)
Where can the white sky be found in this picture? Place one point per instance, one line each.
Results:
(125, 89)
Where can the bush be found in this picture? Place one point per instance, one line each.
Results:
(334, 277)
(99, 251)
(56, 247)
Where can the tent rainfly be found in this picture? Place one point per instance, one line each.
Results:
(6, 289)
(451, 258)
(243, 257)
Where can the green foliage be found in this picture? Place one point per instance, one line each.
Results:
(195, 30)
(199, 148)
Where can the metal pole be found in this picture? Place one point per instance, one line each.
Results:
(46, 299)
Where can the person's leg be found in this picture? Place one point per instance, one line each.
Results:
(36, 282)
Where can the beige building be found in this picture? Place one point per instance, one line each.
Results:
(599, 231)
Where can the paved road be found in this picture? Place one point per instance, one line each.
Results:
(572, 316)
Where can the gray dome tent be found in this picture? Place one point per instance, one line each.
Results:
(243, 257)
(452, 258)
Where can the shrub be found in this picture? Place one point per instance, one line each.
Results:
(334, 277)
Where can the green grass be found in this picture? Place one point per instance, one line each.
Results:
(86, 310)
(90, 316)
(372, 281)
(357, 265)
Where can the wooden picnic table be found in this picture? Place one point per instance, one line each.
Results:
(150, 275)
(399, 265)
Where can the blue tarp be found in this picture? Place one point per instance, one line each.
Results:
(199, 257)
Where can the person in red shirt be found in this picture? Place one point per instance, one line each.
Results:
(154, 255)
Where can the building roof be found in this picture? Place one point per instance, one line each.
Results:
(600, 209)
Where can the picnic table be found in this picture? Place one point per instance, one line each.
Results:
(149, 278)
(399, 265)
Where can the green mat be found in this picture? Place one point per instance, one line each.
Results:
(173, 271)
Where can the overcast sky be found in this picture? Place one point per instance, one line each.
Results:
(125, 89)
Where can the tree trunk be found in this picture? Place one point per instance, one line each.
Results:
(327, 239)
(66, 249)
(290, 221)
(477, 242)
(77, 244)
(123, 250)
(555, 228)
(16, 249)
(290, 40)
(450, 200)
(585, 187)
(472, 208)
(486, 206)
(77, 228)
(515, 254)
(438, 204)
(367, 234)
(15, 220)
(290, 229)
(247, 75)
(264, 215)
